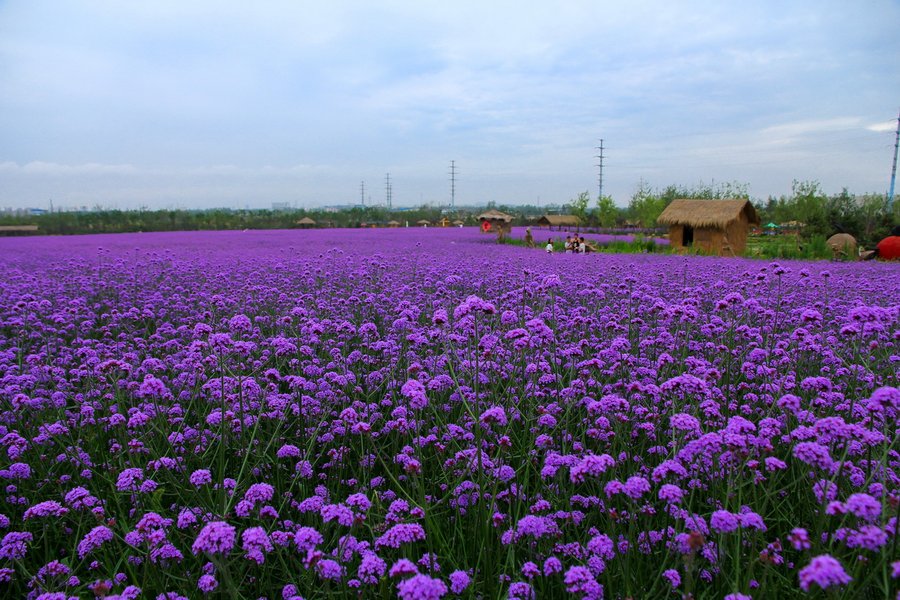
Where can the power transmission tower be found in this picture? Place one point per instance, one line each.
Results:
(890, 202)
(362, 193)
(600, 164)
(453, 183)
(387, 189)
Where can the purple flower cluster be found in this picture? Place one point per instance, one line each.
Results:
(216, 537)
(824, 571)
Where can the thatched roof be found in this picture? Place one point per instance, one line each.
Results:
(841, 241)
(306, 221)
(559, 220)
(458, 222)
(494, 215)
(393, 223)
(707, 213)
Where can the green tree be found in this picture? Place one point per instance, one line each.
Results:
(809, 206)
(645, 206)
(580, 205)
(607, 211)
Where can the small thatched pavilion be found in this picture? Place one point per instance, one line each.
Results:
(559, 221)
(713, 226)
(306, 222)
(494, 221)
(393, 223)
(423, 223)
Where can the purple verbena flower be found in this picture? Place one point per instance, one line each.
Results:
(200, 477)
(216, 537)
(723, 521)
(824, 571)
(95, 538)
(421, 587)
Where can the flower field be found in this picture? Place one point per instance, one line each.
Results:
(425, 414)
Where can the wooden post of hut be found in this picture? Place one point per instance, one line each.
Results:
(712, 226)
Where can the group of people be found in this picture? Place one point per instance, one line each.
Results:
(573, 245)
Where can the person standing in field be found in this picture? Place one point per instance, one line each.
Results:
(549, 246)
(529, 239)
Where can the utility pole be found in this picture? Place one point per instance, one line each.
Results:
(362, 193)
(387, 189)
(452, 184)
(600, 164)
(890, 202)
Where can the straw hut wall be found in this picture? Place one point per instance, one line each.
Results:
(559, 221)
(712, 226)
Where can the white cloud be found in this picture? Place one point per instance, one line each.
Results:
(883, 126)
(40, 168)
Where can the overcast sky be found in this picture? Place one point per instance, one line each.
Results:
(196, 103)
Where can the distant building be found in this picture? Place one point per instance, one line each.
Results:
(559, 221)
(17, 229)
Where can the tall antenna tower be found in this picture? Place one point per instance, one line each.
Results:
(453, 183)
(600, 164)
(388, 190)
(362, 193)
(890, 202)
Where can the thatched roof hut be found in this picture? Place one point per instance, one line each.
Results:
(712, 226)
(559, 221)
(423, 223)
(494, 221)
(16, 229)
(393, 223)
(306, 222)
(458, 223)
